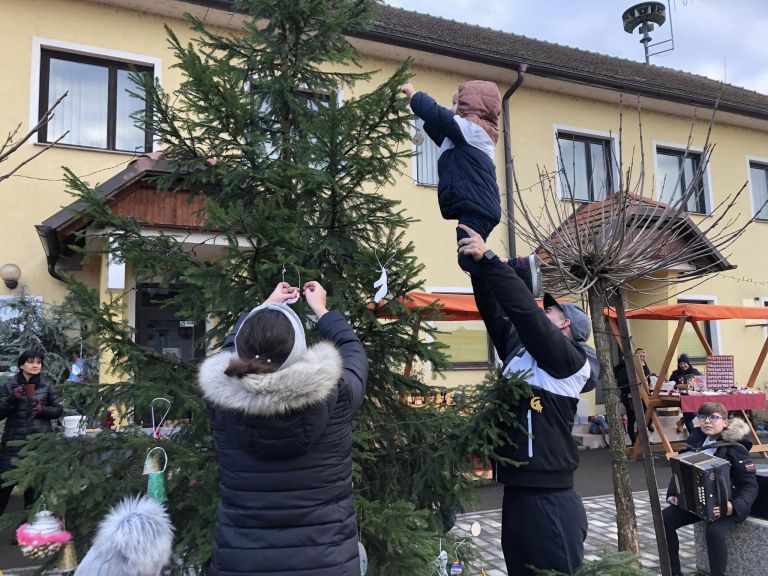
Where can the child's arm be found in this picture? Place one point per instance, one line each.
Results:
(438, 121)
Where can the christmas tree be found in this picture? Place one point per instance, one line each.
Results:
(289, 144)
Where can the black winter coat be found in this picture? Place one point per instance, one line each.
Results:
(284, 446)
(733, 446)
(558, 370)
(467, 176)
(19, 422)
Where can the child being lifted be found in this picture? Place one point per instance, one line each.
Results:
(467, 189)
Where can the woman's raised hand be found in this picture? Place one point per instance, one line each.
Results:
(282, 292)
(316, 296)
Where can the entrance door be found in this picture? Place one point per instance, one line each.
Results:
(162, 328)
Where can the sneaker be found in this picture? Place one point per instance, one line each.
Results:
(528, 268)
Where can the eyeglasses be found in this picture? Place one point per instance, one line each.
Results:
(710, 417)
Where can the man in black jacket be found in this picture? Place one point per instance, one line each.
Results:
(544, 523)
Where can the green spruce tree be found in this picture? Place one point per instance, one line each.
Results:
(290, 165)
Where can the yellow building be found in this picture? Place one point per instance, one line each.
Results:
(565, 113)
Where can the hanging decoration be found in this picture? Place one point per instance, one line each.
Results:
(42, 537)
(156, 473)
(157, 425)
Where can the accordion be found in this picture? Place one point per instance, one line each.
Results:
(703, 484)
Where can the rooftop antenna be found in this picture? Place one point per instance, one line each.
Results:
(644, 17)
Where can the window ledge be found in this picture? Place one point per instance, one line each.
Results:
(90, 149)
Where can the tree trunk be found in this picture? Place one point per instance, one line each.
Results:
(626, 520)
(642, 431)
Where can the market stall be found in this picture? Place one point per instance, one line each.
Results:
(736, 399)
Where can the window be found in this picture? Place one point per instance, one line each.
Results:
(758, 179)
(99, 107)
(689, 341)
(676, 172)
(585, 167)
(426, 158)
(469, 346)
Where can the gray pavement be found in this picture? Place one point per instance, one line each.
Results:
(602, 534)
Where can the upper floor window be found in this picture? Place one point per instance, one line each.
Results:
(99, 109)
(690, 343)
(677, 171)
(585, 167)
(426, 158)
(758, 179)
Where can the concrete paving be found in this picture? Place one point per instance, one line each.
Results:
(601, 535)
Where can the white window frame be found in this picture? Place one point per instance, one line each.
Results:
(39, 44)
(706, 179)
(717, 343)
(586, 133)
(753, 201)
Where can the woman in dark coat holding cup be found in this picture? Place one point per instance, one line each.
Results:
(28, 404)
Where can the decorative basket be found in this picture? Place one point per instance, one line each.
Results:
(42, 537)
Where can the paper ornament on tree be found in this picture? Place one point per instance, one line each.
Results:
(381, 284)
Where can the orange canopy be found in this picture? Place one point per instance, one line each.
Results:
(695, 312)
(454, 307)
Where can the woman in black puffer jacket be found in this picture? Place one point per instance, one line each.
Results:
(28, 404)
(281, 415)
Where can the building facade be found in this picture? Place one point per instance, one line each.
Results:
(567, 114)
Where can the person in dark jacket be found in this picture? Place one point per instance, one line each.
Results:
(724, 438)
(281, 415)
(622, 381)
(684, 369)
(544, 523)
(28, 403)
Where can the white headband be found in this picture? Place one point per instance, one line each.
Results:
(299, 341)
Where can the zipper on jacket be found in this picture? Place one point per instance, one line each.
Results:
(530, 435)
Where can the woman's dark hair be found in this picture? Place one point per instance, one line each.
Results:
(30, 355)
(264, 342)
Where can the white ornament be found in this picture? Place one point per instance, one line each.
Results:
(381, 284)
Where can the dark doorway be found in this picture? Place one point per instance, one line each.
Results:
(160, 326)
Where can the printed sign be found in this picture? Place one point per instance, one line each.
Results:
(720, 372)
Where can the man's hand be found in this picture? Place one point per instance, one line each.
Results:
(474, 246)
(408, 90)
(672, 500)
(282, 292)
(316, 296)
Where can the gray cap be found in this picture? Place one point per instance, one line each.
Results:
(581, 327)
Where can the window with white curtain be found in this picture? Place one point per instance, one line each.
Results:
(758, 179)
(426, 158)
(99, 110)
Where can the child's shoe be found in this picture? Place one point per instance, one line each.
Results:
(528, 268)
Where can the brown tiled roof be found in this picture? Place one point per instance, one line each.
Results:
(399, 27)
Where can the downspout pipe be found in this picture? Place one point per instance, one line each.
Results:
(509, 169)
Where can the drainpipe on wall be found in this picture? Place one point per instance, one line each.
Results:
(509, 169)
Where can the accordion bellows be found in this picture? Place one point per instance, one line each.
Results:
(703, 484)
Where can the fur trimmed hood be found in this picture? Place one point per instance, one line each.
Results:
(308, 381)
(737, 430)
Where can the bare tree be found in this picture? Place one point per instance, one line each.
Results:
(601, 249)
(12, 144)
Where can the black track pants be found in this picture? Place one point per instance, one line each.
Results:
(545, 529)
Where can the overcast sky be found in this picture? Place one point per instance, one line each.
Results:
(722, 39)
